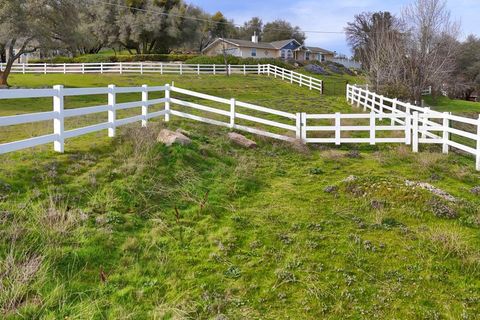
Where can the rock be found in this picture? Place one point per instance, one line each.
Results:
(350, 179)
(241, 140)
(441, 210)
(169, 137)
(427, 186)
(330, 189)
(475, 190)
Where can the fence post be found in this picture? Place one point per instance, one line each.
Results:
(58, 121)
(112, 113)
(310, 83)
(144, 105)
(45, 68)
(415, 132)
(380, 108)
(167, 102)
(424, 123)
(214, 69)
(337, 128)
(298, 125)
(366, 101)
(446, 133)
(229, 69)
(23, 68)
(478, 145)
(232, 113)
(372, 127)
(408, 129)
(244, 70)
(358, 95)
(121, 68)
(394, 111)
(83, 68)
(304, 127)
(198, 69)
(161, 67)
(141, 68)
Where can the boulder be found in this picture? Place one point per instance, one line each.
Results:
(241, 140)
(169, 137)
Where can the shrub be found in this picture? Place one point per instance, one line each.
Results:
(238, 61)
(97, 58)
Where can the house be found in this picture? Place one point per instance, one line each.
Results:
(284, 49)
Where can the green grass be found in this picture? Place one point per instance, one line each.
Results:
(453, 105)
(130, 229)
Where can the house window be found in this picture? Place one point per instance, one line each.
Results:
(254, 52)
(283, 54)
(289, 54)
(307, 55)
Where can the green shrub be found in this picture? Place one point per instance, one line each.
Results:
(97, 58)
(238, 61)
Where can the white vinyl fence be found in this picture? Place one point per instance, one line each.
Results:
(167, 68)
(427, 126)
(410, 124)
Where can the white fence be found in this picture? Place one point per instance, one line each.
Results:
(427, 126)
(412, 125)
(167, 68)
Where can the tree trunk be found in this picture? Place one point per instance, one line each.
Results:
(5, 73)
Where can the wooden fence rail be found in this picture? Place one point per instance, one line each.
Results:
(428, 126)
(167, 68)
(412, 125)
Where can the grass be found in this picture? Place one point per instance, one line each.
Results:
(453, 105)
(130, 229)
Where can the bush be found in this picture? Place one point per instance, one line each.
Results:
(238, 61)
(97, 58)
(331, 67)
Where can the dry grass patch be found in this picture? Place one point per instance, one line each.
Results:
(18, 271)
(450, 240)
(332, 154)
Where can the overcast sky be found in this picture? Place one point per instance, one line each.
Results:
(329, 15)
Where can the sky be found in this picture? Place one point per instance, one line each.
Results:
(329, 15)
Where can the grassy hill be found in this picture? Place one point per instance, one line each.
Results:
(132, 229)
(453, 105)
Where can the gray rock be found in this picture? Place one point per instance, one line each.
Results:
(330, 189)
(350, 179)
(169, 137)
(475, 190)
(427, 186)
(241, 140)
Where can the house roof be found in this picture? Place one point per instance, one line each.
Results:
(319, 50)
(282, 43)
(267, 45)
(250, 44)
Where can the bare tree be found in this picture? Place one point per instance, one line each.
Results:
(431, 45)
(378, 42)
